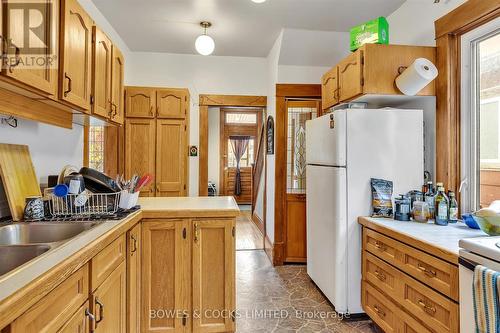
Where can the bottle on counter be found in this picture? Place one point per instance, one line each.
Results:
(429, 199)
(453, 208)
(441, 204)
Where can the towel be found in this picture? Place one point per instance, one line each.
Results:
(486, 290)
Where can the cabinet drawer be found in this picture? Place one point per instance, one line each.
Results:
(55, 309)
(106, 261)
(380, 274)
(436, 273)
(381, 310)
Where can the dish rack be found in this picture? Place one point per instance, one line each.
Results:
(97, 204)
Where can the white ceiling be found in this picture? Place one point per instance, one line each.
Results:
(240, 27)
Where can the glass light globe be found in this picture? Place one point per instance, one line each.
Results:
(205, 45)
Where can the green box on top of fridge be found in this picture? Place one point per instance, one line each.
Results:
(372, 32)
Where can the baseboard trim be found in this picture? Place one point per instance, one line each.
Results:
(258, 222)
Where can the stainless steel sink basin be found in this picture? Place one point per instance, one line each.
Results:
(41, 232)
(12, 257)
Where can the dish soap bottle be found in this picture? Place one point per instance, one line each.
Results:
(441, 203)
(453, 208)
(429, 199)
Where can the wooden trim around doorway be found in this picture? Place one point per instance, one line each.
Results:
(449, 30)
(207, 101)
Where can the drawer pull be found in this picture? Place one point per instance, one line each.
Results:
(196, 234)
(380, 246)
(379, 311)
(380, 276)
(429, 309)
(428, 272)
(134, 244)
(101, 311)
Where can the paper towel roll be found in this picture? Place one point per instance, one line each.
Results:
(416, 77)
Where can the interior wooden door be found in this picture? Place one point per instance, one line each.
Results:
(213, 289)
(351, 76)
(140, 141)
(117, 86)
(101, 70)
(171, 158)
(166, 279)
(76, 52)
(236, 123)
(109, 302)
(43, 45)
(298, 113)
(140, 102)
(134, 250)
(171, 103)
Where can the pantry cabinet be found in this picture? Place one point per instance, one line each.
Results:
(134, 251)
(140, 142)
(171, 103)
(140, 102)
(101, 70)
(371, 71)
(76, 55)
(180, 286)
(35, 64)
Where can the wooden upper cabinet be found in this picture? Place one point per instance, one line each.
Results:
(101, 70)
(140, 142)
(213, 289)
(171, 103)
(166, 282)
(171, 156)
(117, 86)
(330, 88)
(351, 76)
(76, 55)
(140, 102)
(32, 56)
(109, 302)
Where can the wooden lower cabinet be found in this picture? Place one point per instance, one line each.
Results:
(134, 250)
(182, 292)
(296, 247)
(109, 302)
(79, 323)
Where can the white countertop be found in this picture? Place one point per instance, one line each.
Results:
(444, 237)
(188, 204)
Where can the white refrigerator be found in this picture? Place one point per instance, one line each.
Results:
(344, 150)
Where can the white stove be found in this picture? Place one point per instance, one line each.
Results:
(483, 251)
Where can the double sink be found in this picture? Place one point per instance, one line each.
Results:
(22, 242)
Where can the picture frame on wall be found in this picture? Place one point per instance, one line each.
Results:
(270, 135)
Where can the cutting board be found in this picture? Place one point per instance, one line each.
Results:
(18, 177)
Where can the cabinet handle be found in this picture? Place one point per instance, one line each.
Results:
(91, 320)
(379, 311)
(134, 244)
(427, 308)
(66, 92)
(114, 108)
(151, 111)
(158, 187)
(17, 57)
(196, 235)
(101, 311)
(380, 276)
(184, 320)
(428, 272)
(336, 94)
(380, 246)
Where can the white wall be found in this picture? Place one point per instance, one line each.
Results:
(214, 146)
(51, 147)
(201, 75)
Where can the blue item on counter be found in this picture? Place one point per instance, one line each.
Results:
(469, 221)
(61, 190)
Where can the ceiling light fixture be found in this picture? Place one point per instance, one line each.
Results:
(205, 44)
(259, 1)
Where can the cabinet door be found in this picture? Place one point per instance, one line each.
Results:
(171, 103)
(351, 76)
(330, 88)
(117, 88)
(109, 302)
(101, 79)
(80, 322)
(134, 279)
(76, 53)
(140, 141)
(296, 247)
(166, 283)
(31, 55)
(171, 156)
(213, 289)
(140, 102)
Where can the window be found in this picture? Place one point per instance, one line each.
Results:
(480, 118)
(241, 118)
(96, 147)
(246, 159)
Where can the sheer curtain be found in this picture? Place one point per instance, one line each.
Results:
(239, 145)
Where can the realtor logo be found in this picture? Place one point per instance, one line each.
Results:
(29, 39)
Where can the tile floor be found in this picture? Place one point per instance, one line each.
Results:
(283, 300)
